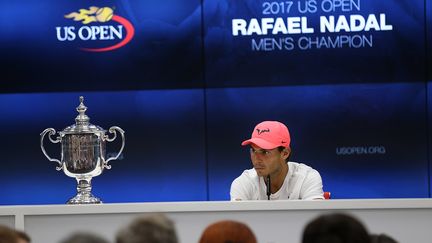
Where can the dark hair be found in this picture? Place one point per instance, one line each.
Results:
(335, 228)
(23, 235)
(8, 235)
(155, 228)
(382, 238)
(84, 237)
(227, 231)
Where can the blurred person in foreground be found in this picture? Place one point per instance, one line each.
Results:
(228, 231)
(84, 237)
(335, 228)
(382, 238)
(23, 237)
(155, 228)
(8, 235)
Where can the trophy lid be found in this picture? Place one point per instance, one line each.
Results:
(82, 122)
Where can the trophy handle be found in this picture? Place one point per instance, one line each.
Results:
(113, 129)
(51, 132)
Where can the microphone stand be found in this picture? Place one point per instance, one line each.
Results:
(268, 184)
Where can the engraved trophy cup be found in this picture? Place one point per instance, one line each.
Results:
(83, 154)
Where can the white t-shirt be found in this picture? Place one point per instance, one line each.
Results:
(301, 182)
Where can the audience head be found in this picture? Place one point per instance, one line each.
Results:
(382, 238)
(84, 237)
(23, 237)
(335, 228)
(228, 231)
(155, 228)
(8, 235)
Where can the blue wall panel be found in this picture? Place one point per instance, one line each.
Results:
(164, 52)
(367, 140)
(428, 29)
(250, 59)
(163, 159)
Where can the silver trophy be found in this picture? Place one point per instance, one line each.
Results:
(83, 154)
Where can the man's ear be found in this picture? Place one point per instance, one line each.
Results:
(286, 153)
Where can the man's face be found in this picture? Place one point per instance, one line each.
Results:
(267, 161)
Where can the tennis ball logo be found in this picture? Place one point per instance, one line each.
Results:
(93, 14)
(104, 14)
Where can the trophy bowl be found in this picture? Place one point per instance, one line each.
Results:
(83, 153)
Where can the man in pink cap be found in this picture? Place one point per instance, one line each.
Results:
(273, 177)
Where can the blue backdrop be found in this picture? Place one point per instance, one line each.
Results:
(191, 83)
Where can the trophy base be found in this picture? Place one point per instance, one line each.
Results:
(84, 198)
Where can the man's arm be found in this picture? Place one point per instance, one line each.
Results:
(312, 186)
(241, 189)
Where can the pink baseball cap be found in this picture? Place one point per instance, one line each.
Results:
(269, 135)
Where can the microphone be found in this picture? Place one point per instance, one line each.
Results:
(268, 184)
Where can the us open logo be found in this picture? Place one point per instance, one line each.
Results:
(98, 26)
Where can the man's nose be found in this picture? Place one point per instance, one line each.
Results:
(257, 156)
(257, 160)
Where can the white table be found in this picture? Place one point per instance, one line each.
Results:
(407, 220)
